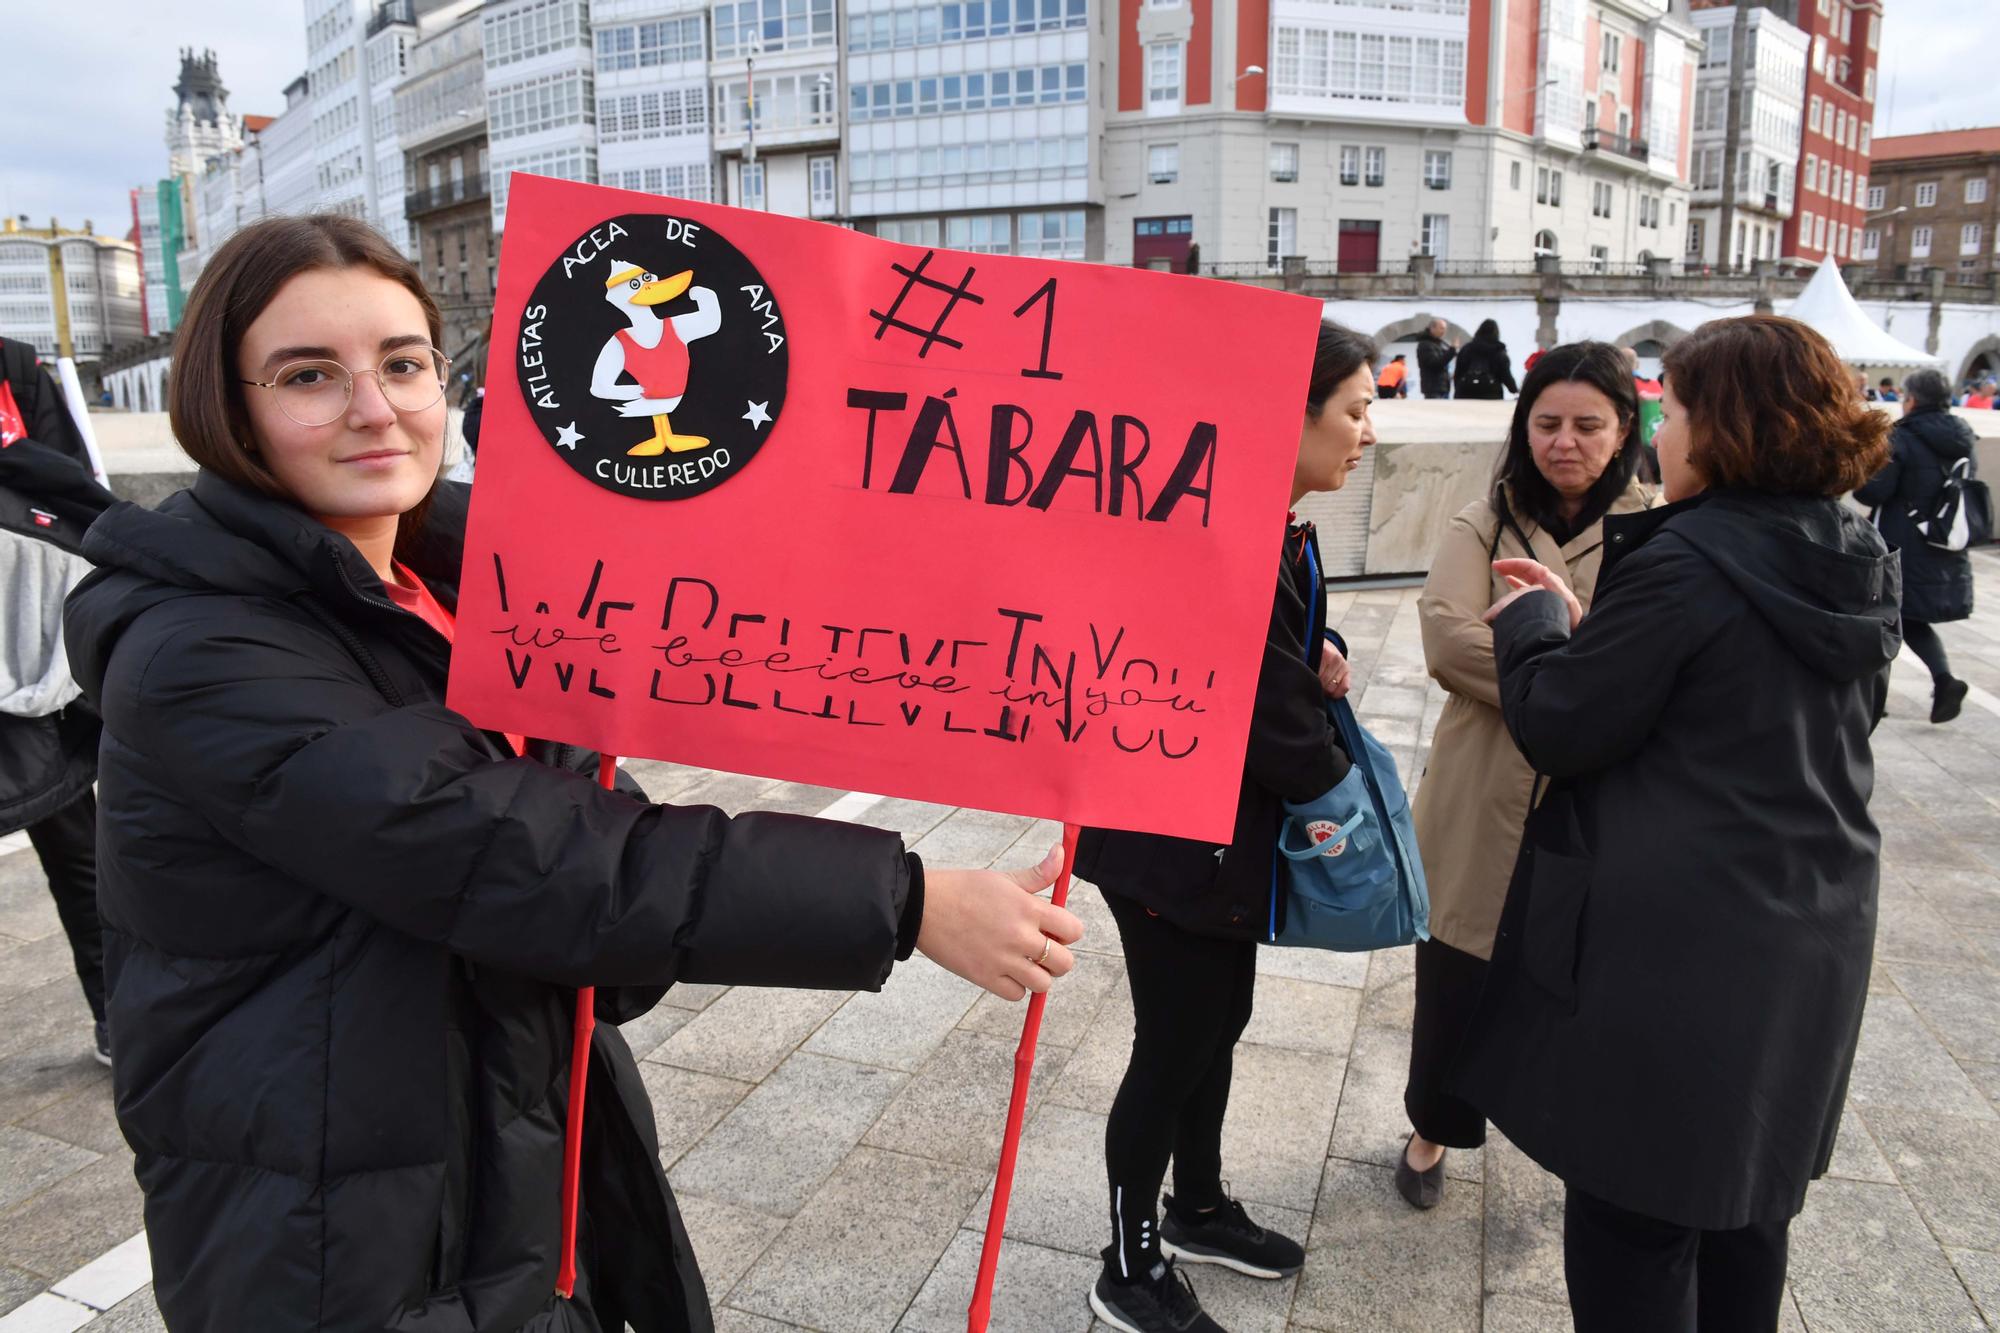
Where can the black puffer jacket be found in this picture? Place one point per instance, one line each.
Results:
(1937, 584)
(1294, 755)
(343, 933)
(1483, 370)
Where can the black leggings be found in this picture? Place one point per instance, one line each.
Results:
(1629, 1273)
(1929, 648)
(1448, 986)
(1191, 999)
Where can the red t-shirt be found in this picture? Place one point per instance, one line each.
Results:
(417, 600)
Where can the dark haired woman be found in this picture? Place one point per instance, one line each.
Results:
(344, 926)
(1680, 970)
(1190, 914)
(1570, 461)
(1483, 368)
(1937, 584)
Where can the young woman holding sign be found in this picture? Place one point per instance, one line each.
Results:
(344, 926)
(1190, 914)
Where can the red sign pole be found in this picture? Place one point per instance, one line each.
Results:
(579, 1076)
(981, 1309)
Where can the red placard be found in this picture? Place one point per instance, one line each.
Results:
(765, 495)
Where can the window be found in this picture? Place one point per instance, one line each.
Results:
(1975, 191)
(1437, 169)
(1969, 238)
(1819, 232)
(1926, 194)
(1608, 57)
(1920, 242)
(1284, 161)
(1436, 237)
(1877, 196)
(1282, 236)
(1163, 78)
(1868, 86)
(1812, 113)
(743, 27)
(1600, 200)
(1375, 166)
(821, 170)
(1163, 164)
(1839, 126)
(753, 184)
(985, 233)
(1812, 171)
(1865, 131)
(1545, 243)
(1514, 175)
(1694, 239)
(1316, 61)
(1057, 235)
(1350, 164)
(1600, 257)
(1871, 244)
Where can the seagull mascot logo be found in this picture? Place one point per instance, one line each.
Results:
(652, 352)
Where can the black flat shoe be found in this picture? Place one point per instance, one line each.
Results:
(1420, 1189)
(1947, 699)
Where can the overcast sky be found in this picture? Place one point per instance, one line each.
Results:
(89, 82)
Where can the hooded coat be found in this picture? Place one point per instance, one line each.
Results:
(1680, 969)
(1937, 584)
(344, 930)
(48, 735)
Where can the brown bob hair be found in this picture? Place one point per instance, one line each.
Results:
(205, 398)
(1771, 408)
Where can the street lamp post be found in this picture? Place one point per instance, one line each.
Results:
(750, 115)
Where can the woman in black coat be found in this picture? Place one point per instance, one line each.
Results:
(1679, 977)
(1937, 583)
(344, 927)
(1484, 368)
(1190, 914)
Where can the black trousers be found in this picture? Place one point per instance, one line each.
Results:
(1925, 642)
(1448, 985)
(67, 843)
(1634, 1274)
(1191, 998)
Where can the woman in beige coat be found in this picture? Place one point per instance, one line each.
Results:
(1572, 453)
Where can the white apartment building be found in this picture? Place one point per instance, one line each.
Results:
(974, 125)
(285, 154)
(68, 293)
(1773, 98)
(343, 149)
(390, 33)
(776, 73)
(1365, 133)
(541, 103)
(653, 95)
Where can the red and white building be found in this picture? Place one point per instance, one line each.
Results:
(1469, 130)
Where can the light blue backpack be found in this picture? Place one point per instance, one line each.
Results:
(1347, 861)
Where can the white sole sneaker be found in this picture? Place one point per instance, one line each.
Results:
(1173, 1251)
(1103, 1311)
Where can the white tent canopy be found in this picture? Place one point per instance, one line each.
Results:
(1829, 307)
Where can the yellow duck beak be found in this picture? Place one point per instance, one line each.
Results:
(663, 290)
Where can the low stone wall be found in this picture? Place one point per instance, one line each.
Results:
(1431, 459)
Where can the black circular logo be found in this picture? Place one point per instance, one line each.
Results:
(653, 357)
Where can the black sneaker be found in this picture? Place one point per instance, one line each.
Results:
(1947, 698)
(1161, 1302)
(102, 1053)
(1228, 1237)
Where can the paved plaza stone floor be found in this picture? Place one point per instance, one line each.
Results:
(833, 1152)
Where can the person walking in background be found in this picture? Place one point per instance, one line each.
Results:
(1483, 367)
(1190, 914)
(1570, 460)
(1434, 357)
(48, 735)
(1394, 381)
(345, 927)
(1937, 583)
(1681, 966)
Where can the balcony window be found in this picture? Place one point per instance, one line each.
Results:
(1436, 236)
(1968, 238)
(1375, 166)
(1284, 162)
(1163, 78)
(1350, 164)
(1920, 242)
(1281, 237)
(1163, 164)
(1437, 169)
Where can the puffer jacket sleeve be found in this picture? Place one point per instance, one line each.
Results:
(1458, 645)
(1578, 703)
(1881, 488)
(404, 814)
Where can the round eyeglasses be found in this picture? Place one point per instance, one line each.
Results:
(316, 393)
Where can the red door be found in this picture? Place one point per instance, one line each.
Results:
(1360, 246)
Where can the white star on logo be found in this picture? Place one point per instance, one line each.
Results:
(757, 416)
(567, 437)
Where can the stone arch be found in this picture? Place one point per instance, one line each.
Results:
(1660, 331)
(1409, 328)
(1988, 349)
